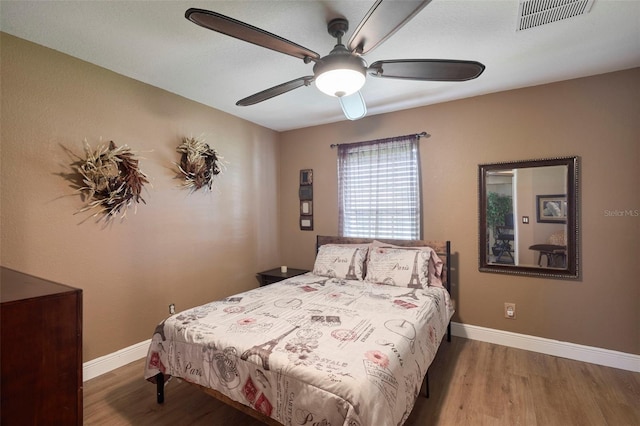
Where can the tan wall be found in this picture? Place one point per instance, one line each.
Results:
(596, 118)
(178, 248)
(188, 249)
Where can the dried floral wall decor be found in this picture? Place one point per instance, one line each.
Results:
(199, 163)
(111, 179)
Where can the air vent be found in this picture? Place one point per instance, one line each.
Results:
(533, 13)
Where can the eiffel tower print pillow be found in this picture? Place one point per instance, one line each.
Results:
(343, 262)
(398, 267)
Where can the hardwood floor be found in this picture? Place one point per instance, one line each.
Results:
(471, 383)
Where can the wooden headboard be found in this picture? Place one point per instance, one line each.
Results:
(442, 248)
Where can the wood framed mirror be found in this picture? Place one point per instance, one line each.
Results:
(528, 217)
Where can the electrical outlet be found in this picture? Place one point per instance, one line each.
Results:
(510, 310)
(172, 309)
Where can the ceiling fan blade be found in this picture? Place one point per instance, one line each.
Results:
(275, 91)
(383, 19)
(242, 31)
(427, 69)
(353, 106)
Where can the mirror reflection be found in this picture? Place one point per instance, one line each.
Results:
(528, 217)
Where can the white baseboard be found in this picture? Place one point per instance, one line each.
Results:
(104, 364)
(606, 357)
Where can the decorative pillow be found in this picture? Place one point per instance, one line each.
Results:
(337, 261)
(435, 269)
(435, 264)
(398, 267)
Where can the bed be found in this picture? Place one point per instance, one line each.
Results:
(348, 343)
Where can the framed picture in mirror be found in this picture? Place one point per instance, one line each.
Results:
(552, 208)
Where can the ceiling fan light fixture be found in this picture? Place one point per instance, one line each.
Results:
(340, 82)
(340, 73)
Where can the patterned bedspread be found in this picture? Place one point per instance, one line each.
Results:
(310, 349)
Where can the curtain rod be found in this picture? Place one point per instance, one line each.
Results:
(417, 135)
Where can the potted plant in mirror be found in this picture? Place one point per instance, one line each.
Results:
(498, 206)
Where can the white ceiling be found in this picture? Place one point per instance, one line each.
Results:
(151, 41)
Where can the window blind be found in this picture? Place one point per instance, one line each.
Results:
(379, 188)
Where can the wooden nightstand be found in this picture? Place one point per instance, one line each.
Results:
(274, 275)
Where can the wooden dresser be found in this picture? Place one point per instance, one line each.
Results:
(40, 351)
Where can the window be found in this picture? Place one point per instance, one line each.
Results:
(379, 188)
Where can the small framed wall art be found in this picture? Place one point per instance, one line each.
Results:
(306, 177)
(306, 192)
(306, 223)
(306, 208)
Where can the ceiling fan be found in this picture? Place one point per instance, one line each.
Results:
(343, 71)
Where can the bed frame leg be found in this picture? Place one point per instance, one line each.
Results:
(160, 388)
(426, 376)
(426, 385)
